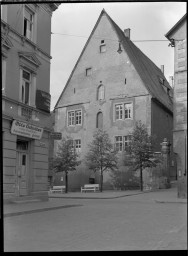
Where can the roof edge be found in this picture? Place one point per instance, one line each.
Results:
(102, 12)
(167, 35)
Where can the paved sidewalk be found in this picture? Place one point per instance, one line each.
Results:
(55, 202)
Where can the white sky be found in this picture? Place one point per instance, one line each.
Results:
(147, 20)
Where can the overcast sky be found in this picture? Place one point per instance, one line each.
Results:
(147, 21)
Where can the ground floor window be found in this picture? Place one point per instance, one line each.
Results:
(122, 142)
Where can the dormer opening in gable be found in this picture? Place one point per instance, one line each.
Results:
(102, 46)
(88, 71)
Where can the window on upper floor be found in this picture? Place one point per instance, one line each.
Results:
(100, 92)
(74, 117)
(123, 111)
(88, 71)
(26, 87)
(128, 110)
(102, 47)
(28, 24)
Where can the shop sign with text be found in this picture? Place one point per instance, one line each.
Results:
(26, 130)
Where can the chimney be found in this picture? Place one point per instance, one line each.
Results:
(171, 81)
(127, 32)
(162, 69)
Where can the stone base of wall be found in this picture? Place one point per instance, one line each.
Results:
(35, 196)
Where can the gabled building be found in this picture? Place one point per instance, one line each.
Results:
(25, 48)
(112, 85)
(178, 38)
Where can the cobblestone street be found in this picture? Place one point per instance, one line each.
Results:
(137, 222)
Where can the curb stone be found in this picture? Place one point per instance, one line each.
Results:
(40, 210)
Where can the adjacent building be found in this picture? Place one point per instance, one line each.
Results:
(178, 38)
(112, 85)
(25, 45)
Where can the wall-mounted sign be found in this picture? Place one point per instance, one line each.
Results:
(43, 100)
(56, 135)
(26, 130)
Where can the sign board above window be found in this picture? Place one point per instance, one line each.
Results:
(43, 100)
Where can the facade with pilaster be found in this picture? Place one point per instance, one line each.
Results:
(178, 38)
(26, 43)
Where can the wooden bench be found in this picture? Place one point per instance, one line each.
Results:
(90, 187)
(60, 189)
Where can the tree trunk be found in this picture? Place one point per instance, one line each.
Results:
(141, 179)
(101, 181)
(66, 182)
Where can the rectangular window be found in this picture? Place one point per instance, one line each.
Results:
(71, 118)
(119, 112)
(21, 145)
(74, 117)
(119, 143)
(78, 145)
(123, 111)
(88, 71)
(102, 48)
(127, 141)
(26, 83)
(78, 117)
(28, 24)
(128, 110)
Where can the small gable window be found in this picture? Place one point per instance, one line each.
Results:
(88, 71)
(102, 46)
(161, 80)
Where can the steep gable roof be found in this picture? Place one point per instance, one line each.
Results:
(147, 70)
(168, 34)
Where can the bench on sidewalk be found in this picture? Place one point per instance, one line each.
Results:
(60, 189)
(90, 187)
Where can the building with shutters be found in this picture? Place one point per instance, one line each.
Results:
(178, 38)
(25, 42)
(112, 85)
